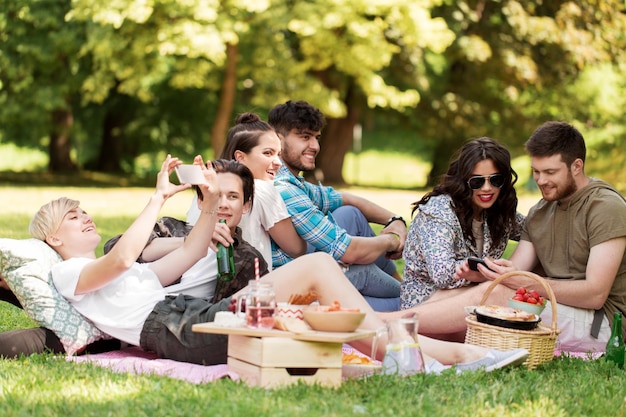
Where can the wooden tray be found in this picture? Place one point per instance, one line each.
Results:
(309, 336)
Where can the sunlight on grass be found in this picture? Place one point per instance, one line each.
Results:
(77, 393)
(96, 201)
(22, 159)
(541, 406)
(385, 169)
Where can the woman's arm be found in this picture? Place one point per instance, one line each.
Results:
(123, 255)
(285, 236)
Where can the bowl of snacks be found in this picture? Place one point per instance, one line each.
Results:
(333, 318)
(528, 300)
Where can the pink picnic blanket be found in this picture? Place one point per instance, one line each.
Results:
(135, 360)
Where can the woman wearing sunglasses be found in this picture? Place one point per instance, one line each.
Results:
(471, 213)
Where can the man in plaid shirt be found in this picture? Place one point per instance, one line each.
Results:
(331, 221)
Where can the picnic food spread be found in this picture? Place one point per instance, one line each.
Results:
(343, 319)
(506, 313)
(355, 359)
(512, 318)
(528, 300)
(303, 299)
(530, 297)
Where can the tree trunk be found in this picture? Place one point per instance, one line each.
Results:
(61, 142)
(442, 155)
(337, 141)
(110, 154)
(227, 100)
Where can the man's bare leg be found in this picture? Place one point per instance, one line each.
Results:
(319, 272)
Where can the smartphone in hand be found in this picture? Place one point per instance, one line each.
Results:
(189, 174)
(473, 263)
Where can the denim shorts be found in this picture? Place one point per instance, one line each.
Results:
(167, 330)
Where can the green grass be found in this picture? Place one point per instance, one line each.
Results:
(49, 385)
(365, 169)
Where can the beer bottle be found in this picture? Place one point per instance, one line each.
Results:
(615, 345)
(225, 267)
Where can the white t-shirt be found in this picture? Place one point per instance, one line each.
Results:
(199, 280)
(121, 307)
(268, 209)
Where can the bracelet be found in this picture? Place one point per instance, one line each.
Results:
(393, 219)
(209, 212)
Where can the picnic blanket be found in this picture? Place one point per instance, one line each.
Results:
(135, 360)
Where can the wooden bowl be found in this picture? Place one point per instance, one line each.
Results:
(333, 321)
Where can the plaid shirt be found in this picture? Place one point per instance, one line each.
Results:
(310, 206)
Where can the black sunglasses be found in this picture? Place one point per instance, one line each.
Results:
(476, 182)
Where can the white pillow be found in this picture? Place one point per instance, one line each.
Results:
(25, 265)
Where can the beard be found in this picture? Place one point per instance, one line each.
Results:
(565, 191)
(294, 162)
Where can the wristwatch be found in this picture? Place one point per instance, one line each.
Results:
(394, 218)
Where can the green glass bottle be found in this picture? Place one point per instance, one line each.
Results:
(615, 345)
(225, 268)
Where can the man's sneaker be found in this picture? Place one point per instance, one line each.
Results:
(495, 359)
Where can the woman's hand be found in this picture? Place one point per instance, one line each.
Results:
(463, 271)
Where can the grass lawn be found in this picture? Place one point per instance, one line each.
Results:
(48, 385)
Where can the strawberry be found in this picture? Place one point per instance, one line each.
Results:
(521, 290)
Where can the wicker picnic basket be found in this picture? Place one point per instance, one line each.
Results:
(540, 342)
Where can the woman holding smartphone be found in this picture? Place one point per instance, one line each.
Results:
(471, 213)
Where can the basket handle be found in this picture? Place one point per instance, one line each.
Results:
(532, 276)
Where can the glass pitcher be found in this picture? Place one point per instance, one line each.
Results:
(403, 355)
(260, 304)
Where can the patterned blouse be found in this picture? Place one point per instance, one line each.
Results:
(435, 246)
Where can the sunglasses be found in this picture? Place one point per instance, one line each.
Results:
(476, 182)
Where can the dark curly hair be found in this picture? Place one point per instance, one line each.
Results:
(454, 183)
(298, 115)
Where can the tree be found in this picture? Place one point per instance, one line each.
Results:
(40, 77)
(509, 67)
(334, 55)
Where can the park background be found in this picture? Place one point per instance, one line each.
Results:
(111, 87)
(94, 94)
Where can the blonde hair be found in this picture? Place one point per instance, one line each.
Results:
(49, 217)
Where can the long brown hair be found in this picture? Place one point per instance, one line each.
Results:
(454, 183)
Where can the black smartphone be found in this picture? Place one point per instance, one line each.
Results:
(473, 263)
